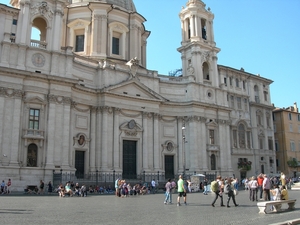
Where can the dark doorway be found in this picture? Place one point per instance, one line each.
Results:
(129, 159)
(169, 166)
(79, 164)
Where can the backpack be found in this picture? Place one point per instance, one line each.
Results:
(214, 186)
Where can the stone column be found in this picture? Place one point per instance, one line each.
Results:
(116, 140)
(66, 132)
(104, 135)
(103, 36)
(51, 132)
(94, 38)
(197, 33)
(92, 146)
(98, 137)
(180, 143)
(182, 30)
(145, 165)
(15, 135)
(22, 30)
(192, 25)
(192, 152)
(57, 30)
(156, 146)
(205, 157)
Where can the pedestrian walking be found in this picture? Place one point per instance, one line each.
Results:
(8, 186)
(228, 189)
(168, 194)
(216, 188)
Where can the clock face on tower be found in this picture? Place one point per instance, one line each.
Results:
(38, 60)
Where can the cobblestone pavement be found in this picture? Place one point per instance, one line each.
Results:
(148, 209)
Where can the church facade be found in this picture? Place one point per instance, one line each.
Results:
(81, 99)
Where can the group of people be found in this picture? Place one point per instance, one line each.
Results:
(267, 188)
(72, 190)
(224, 186)
(5, 187)
(124, 189)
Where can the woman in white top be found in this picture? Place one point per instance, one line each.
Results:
(276, 193)
(253, 185)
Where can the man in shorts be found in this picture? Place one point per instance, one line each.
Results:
(181, 191)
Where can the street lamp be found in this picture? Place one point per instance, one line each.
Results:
(183, 147)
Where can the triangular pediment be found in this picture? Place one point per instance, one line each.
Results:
(135, 89)
(36, 100)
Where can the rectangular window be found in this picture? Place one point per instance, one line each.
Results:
(276, 146)
(234, 133)
(34, 117)
(292, 145)
(115, 46)
(79, 43)
(298, 117)
(14, 22)
(268, 121)
(239, 102)
(291, 127)
(230, 81)
(298, 128)
(232, 101)
(266, 95)
(237, 82)
(261, 143)
(245, 104)
(270, 143)
(248, 140)
(211, 137)
(290, 116)
(225, 81)
(244, 85)
(274, 128)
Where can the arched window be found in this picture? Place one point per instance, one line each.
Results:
(205, 71)
(32, 155)
(242, 136)
(39, 33)
(213, 162)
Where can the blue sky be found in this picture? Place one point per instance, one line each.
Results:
(262, 36)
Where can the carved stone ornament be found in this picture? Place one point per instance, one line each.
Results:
(205, 56)
(42, 8)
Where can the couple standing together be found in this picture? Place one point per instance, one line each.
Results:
(182, 189)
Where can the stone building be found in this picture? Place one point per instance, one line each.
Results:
(287, 140)
(81, 99)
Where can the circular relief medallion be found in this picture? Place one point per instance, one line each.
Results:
(131, 124)
(169, 146)
(38, 60)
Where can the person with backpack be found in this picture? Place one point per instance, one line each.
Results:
(216, 188)
(228, 190)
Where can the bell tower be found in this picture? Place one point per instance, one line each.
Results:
(198, 48)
